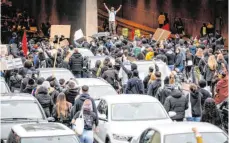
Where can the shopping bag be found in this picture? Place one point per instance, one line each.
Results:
(188, 112)
(79, 124)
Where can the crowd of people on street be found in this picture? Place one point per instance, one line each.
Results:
(201, 63)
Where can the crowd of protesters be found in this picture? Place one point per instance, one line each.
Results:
(202, 63)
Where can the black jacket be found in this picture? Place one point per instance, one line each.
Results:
(78, 105)
(71, 95)
(171, 57)
(76, 62)
(45, 100)
(178, 103)
(134, 86)
(195, 99)
(178, 60)
(165, 92)
(146, 81)
(153, 87)
(110, 76)
(205, 95)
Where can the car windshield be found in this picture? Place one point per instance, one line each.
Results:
(20, 109)
(190, 138)
(58, 139)
(99, 91)
(3, 88)
(137, 111)
(67, 75)
(86, 53)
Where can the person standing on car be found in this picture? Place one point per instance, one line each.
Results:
(155, 85)
(195, 99)
(90, 120)
(210, 113)
(111, 76)
(45, 100)
(79, 102)
(134, 85)
(76, 63)
(112, 14)
(178, 103)
(62, 110)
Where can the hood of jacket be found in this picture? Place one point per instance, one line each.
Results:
(195, 94)
(76, 55)
(223, 83)
(133, 66)
(42, 90)
(84, 96)
(74, 91)
(176, 94)
(169, 86)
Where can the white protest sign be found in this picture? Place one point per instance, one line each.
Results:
(3, 50)
(78, 35)
(9, 64)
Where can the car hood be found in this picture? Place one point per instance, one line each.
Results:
(6, 126)
(134, 128)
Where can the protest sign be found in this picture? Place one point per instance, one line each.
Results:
(161, 34)
(125, 32)
(9, 64)
(137, 32)
(78, 35)
(60, 30)
(3, 50)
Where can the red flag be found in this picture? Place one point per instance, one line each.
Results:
(166, 27)
(24, 44)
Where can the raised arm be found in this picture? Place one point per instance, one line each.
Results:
(106, 7)
(119, 8)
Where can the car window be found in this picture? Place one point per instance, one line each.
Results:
(137, 111)
(3, 87)
(20, 109)
(13, 137)
(57, 139)
(190, 138)
(146, 136)
(156, 138)
(103, 108)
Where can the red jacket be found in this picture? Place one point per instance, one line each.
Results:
(221, 90)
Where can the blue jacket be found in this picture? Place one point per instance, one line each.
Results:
(134, 86)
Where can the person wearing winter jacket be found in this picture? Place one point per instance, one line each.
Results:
(179, 64)
(134, 85)
(147, 78)
(195, 99)
(28, 66)
(76, 64)
(221, 92)
(79, 102)
(15, 81)
(205, 93)
(178, 103)
(71, 92)
(90, 120)
(95, 69)
(45, 100)
(111, 75)
(210, 70)
(171, 58)
(210, 113)
(166, 91)
(155, 85)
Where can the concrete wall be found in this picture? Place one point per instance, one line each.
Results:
(193, 12)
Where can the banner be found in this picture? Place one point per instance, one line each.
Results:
(9, 64)
(137, 32)
(125, 32)
(78, 35)
(161, 34)
(60, 30)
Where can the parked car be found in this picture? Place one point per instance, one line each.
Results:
(57, 72)
(42, 133)
(143, 68)
(3, 86)
(85, 52)
(181, 132)
(18, 109)
(98, 87)
(122, 117)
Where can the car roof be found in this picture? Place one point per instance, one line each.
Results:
(41, 130)
(128, 98)
(91, 81)
(185, 127)
(52, 69)
(16, 97)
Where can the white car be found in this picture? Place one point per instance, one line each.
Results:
(181, 132)
(85, 52)
(98, 87)
(122, 117)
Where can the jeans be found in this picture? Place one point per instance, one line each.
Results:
(194, 119)
(87, 136)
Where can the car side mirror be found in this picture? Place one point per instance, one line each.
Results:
(51, 119)
(172, 114)
(103, 117)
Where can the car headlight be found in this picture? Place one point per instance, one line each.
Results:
(122, 138)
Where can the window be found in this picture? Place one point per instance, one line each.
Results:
(156, 138)
(146, 136)
(103, 108)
